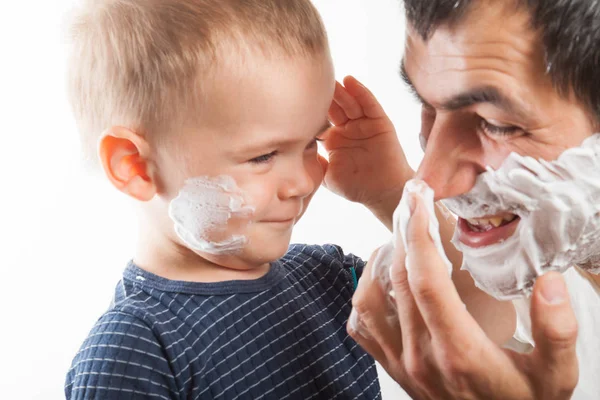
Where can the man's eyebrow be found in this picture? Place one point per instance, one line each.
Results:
(485, 94)
(411, 86)
(479, 95)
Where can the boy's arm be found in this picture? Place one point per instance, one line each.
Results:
(120, 359)
(367, 165)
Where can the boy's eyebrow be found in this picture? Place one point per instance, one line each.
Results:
(478, 95)
(278, 142)
(323, 128)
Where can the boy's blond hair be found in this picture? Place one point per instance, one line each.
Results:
(142, 63)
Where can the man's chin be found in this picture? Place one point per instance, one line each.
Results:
(497, 261)
(500, 283)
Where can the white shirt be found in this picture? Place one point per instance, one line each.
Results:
(585, 299)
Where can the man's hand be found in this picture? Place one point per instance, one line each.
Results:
(438, 351)
(366, 162)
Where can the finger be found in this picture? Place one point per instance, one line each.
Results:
(372, 307)
(347, 102)
(361, 129)
(366, 128)
(386, 335)
(413, 327)
(434, 292)
(364, 97)
(416, 340)
(335, 137)
(554, 329)
(416, 367)
(355, 330)
(380, 264)
(336, 114)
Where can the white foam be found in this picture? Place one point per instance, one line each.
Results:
(558, 205)
(202, 212)
(402, 216)
(382, 264)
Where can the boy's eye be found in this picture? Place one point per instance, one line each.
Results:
(264, 158)
(314, 143)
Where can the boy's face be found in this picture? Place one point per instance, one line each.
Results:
(260, 122)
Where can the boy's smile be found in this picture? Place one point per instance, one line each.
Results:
(259, 127)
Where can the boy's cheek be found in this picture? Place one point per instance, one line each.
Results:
(258, 193)
(318, 180)
(317, 170)
(317, 175)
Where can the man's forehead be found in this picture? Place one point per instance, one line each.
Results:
(456, 88)
(467, 64)
(469, 40)
(486, 24)
(425, 16)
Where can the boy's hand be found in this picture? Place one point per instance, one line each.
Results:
(366, 162)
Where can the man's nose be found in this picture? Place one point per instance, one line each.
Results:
(451, 162)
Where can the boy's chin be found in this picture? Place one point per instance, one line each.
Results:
(268, 251)
(255, 255)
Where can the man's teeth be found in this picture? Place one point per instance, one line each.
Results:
(492, 221)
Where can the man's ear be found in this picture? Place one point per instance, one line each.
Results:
(124, 155)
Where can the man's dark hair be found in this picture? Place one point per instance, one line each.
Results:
(570, 33)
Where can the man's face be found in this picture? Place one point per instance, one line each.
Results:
(486, 93)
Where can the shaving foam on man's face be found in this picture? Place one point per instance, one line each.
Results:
(211, 215)
(542, 215)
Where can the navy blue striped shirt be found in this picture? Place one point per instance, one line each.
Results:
(282, 336)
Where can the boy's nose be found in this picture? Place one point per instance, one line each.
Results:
(299, 183)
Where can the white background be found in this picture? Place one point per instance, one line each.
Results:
(66, 235)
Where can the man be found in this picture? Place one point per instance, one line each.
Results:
(494, 77)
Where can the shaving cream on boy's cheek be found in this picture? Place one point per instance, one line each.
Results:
(558, 205)
(211, 215)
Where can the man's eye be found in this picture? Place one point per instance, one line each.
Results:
(495, 130)
(265, 158)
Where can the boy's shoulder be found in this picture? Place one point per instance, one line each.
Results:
(122, 357)
(329, 254)
(324, 258)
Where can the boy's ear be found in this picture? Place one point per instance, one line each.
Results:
(124, 157)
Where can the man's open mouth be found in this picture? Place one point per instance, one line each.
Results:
(485, 231)
(489, 223)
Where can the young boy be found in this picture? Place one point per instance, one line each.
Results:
(210, 112)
